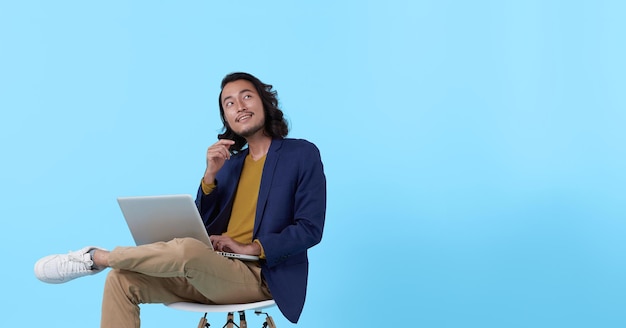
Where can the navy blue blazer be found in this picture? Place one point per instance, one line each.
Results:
(290, 215)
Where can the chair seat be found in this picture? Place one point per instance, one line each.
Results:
(198, 307)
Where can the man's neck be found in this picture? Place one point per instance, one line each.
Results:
(258, 146)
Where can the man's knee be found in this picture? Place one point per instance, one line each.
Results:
(117, 278)
(190, 247)
(194, 254)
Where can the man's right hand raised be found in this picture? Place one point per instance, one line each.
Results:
(216, 155)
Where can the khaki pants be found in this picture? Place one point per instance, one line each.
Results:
(180, 270)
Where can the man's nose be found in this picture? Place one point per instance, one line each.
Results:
(240, 106)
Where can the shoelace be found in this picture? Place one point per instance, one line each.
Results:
(75, 263)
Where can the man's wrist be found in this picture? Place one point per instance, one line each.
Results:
(261, 252)
(207, 187)
(256, 248)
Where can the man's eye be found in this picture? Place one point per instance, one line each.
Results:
(247, 97)
(228, 104)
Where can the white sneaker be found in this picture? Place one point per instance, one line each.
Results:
(60, 268)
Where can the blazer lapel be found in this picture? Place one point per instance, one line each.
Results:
(267, 177)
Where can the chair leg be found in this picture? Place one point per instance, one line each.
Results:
(229, 321)
(269, 321)
(242, 320)
(203, 322)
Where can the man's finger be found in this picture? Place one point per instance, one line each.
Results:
(226, 142)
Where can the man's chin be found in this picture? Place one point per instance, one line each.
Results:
(249, 133)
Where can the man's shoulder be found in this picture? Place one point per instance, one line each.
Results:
(298, 150)
(292, 143)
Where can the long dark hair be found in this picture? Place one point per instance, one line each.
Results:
(275, 124)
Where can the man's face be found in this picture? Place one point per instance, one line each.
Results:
(243, 108)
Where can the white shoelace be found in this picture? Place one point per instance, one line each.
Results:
(75, 263)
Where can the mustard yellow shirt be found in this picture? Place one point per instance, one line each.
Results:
(241, 224)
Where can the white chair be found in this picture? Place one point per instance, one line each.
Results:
(229, 309)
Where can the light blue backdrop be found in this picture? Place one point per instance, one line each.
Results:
(474, 150)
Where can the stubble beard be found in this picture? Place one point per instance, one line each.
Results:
(247, 133)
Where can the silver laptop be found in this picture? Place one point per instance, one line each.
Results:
(163, 218)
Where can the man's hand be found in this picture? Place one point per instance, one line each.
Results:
(216, 155)
(223, 243)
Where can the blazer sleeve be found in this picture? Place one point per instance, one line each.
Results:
(207, 205)
(215, 207)
(296, 209)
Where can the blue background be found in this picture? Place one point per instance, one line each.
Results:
(474, 150)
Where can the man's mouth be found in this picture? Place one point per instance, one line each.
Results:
(243, 117)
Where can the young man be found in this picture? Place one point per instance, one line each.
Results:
(268, 199)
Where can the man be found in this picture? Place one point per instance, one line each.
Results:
(268, 199)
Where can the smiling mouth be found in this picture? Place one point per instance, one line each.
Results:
(243, 117)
